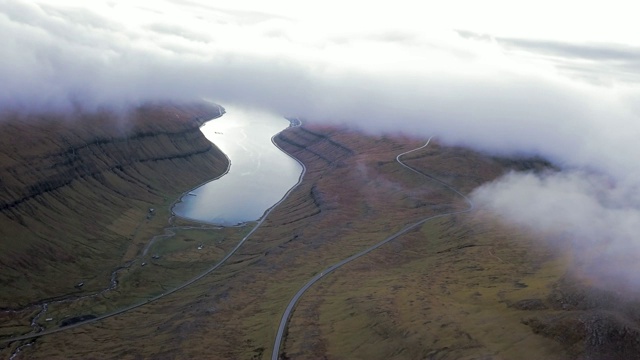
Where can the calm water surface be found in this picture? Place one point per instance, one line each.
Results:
(259, 176)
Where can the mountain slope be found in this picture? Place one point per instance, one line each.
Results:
(77, 190)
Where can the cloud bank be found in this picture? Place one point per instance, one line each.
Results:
(584, 212)
(504, 84)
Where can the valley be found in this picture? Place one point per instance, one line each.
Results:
(457, 286)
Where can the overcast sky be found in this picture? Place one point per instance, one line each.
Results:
(558, 79)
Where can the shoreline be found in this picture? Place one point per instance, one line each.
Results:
(292, 123)
(192, 280)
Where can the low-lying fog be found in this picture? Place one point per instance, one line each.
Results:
(555, 79)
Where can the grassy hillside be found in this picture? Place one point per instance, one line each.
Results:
(463, 286)
(77, 191)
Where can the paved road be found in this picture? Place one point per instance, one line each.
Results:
(184, 285)
(294, 300)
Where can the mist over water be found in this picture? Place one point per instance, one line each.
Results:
(486, 75)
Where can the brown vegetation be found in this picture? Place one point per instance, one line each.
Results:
(465, 286)
(77, 189)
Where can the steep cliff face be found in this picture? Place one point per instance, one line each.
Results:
(76, 187)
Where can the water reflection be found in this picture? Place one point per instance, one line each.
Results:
(259, 176)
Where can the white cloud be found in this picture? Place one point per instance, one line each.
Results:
(379, 66)
(592, 215)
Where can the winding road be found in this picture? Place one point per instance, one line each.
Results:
(275, 355)
(189, 282)
(294, 300)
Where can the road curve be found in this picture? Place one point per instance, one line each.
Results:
(275, 355)
(189, 282)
